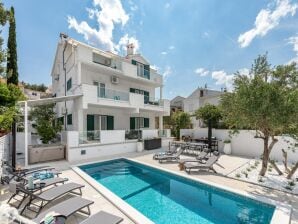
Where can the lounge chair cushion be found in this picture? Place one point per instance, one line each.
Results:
(102, 217)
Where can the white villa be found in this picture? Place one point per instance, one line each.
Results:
(108, 95)
(199, 98)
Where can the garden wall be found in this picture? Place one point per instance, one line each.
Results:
(244, 143)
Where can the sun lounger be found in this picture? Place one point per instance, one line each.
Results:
(6, 163)
(160, 154)
(188, 166)
(102, 217)
(67, 208)
(19, 196)
(173, 157)
(40, 200)
(78, 204)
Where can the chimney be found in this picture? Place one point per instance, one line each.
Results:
(130, 49)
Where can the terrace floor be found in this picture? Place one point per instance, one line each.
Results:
(224, 166)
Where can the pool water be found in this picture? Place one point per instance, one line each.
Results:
(167, 198)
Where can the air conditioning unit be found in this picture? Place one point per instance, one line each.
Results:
(115, 80)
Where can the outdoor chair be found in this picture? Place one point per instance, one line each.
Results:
(38, 201)
(208, 164)
(39, 186)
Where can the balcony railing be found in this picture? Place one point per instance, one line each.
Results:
(87, 137)
(143, 73)
(133, 134)
(152, 101)
(112, 94)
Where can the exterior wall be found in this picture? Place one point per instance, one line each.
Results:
(83, 72)
(4, 148)
(244, 143)
(98, 151)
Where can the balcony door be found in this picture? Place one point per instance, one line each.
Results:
(101, 89)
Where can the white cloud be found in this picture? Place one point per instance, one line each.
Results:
(155, 67)
(294, 41)
(266, 20)
(107, 13)
(244, 71)
(167, 5)
(167, 73)
(223, 79)
(201, 71)
(126, 39)
(171, 47)
(164, 53)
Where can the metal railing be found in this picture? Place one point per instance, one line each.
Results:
(87, 137)
(162, 133)
(144, 73)
(133, 134)
(152, 101)
(112, 94)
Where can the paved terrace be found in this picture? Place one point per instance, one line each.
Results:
(224, 166)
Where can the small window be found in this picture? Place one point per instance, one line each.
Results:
(69, 119)
(201, 93)
(69, 84)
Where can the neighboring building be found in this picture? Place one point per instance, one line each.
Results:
(199, 98)
(177, 104)
(117, 93)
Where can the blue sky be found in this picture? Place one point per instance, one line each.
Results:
(191, 42)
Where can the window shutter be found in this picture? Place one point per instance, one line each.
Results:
(147, 71)
(69, 119)
(146, 122)
(134, 62)
(110, 123)
(90, 122)
(132, 123)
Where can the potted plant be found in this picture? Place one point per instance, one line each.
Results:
(227, 147)
(140, 145)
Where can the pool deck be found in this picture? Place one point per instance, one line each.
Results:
(224, 166)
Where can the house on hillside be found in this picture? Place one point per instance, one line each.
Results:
(199, 98)
(177, 104)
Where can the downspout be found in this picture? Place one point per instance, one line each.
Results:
(64, 36)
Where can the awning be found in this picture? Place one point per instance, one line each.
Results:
(50, 100)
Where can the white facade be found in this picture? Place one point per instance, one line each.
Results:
(114, 89)
(199, 98)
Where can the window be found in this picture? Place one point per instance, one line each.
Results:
(100, 59)
(201, 93)
(102, 90)
(69, 84)
(60, 120)
(69, 119)
(139, 122)
(142, 69)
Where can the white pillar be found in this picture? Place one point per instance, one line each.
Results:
(160, 92)
(26, 133)
(160, 122)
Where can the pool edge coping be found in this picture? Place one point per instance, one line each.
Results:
(282, 212)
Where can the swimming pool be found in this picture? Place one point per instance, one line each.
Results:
(167, 198)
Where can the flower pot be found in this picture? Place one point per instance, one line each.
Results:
(140, 146)
(227, 148)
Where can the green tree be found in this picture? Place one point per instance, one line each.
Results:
(3, 19)
(9, 95)
(12, 61)
(46, 124)
(265, 101)
(180, 120)
(210, 115)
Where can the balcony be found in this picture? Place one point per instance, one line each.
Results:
(96, 95)
(112, 94)
(142, 75)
